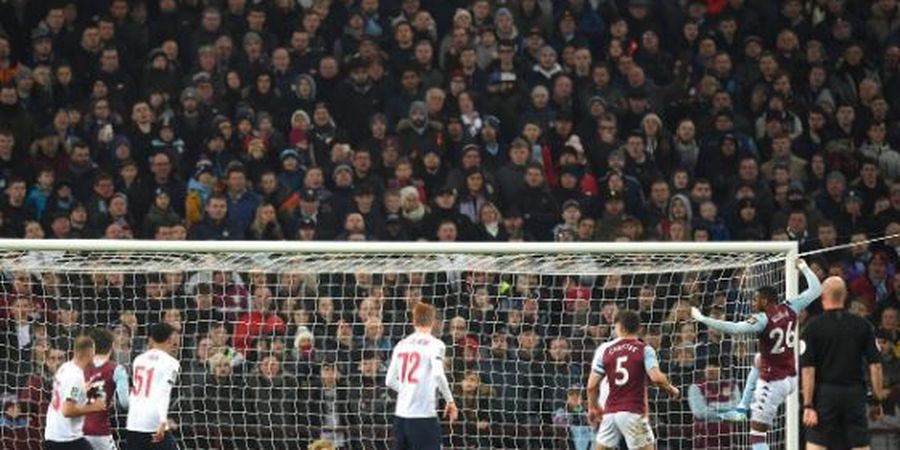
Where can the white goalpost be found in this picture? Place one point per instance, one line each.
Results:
(284, 343)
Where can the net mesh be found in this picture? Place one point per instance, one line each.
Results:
(263, 331)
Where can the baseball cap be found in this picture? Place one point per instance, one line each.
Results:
(309, 195)
(201, 77)
(447, 189)
(340, 168)
(834, 175)
(40, 32)
(189, 93)
(289, 153)
(571, 203)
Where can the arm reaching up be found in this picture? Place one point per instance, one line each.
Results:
(813, 288)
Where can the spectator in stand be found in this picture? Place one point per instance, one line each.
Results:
(274, 393)
(370, 397)
(874, 286)
(259, 321)
(890, 363)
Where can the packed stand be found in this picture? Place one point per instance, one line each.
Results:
(628, 120)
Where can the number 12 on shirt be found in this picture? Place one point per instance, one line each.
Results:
(409, 366)
(142, 379)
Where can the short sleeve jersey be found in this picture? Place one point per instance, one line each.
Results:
(625, 364)
(153, 377)
(414, 361)
(68, 386)
(100, 380)
(777, 343)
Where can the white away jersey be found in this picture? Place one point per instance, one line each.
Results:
(154, 374)
(415, 372)
(68, 385)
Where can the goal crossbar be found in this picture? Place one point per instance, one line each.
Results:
(150, 246)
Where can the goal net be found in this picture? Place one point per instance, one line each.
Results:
(285, 343)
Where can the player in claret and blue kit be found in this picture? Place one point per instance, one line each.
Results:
(627, 362)
(105, 379)
(775, 325)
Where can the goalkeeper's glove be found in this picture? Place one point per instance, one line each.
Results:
(696, 314)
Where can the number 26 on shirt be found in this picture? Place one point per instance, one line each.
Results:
(783, 338)
(409, 366)
(142, 379)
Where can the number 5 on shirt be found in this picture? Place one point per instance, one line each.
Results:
(410, 365)
(142, 379)
(622, 375)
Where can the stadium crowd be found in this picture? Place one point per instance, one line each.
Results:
(484, 120)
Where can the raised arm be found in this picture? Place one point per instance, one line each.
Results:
(813, 288)
(754, 325)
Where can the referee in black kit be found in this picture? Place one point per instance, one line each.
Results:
(834, 385)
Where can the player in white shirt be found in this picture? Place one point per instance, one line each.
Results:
(69, 403)
(154, 374)
(415, 372)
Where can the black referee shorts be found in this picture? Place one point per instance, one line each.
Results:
(416, 434)
(842, 417)
(77, 444)
(135, 440)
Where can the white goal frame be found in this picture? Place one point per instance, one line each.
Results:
(788, 248)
